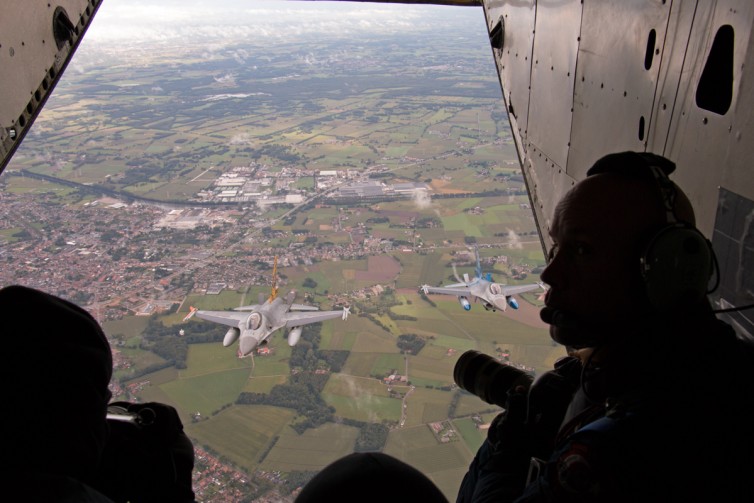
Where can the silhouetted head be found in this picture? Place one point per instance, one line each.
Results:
(601, 230)
(370, 477)
(54, 375)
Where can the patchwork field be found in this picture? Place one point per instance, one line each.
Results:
(312, 450)
(208, 392)
(444, 464)
(253, 428)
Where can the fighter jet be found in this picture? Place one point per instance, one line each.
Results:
(252, 325)
(493, 295)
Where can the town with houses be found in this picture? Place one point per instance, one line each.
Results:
(117, 257)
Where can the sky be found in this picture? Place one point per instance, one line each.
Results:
(124, 21)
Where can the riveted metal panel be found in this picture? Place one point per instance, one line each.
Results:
(677, 42)
(516, 19)
(620, 54)
(547, 182)
(552, 77)
(32, 56)
(512, 23)
(713, 150)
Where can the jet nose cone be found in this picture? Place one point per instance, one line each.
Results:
(247, 344)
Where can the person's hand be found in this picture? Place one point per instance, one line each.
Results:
(508, 433)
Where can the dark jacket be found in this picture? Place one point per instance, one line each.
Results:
(673, 424)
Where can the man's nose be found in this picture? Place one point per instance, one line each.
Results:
(552, 274)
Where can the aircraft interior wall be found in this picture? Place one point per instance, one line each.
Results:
(583, 79)
(38, 40)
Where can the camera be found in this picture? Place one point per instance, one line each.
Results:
(547, 398)
(487, 378)
(141, 417)
(148, 457)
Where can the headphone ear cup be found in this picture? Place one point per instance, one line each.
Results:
(676, 267)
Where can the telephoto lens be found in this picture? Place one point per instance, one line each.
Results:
(487, 378)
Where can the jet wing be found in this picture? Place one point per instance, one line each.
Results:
(516, 289)
(303, 307)
(228, 318)
(296, 319)
(458, 291)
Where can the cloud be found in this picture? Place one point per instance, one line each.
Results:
(422, 199)
(230, 96)
(240, 139)
(240, 56)
(361, 399)
(513, 240)
(227, 79)
(197, 21)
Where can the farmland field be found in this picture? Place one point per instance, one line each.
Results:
(312, 450)
(252, 427)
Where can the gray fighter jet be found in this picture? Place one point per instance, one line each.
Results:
(255, 323)
(493, 296)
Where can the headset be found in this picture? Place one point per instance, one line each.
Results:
(678, 261)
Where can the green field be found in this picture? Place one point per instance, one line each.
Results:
(129, 326)
(211, 358)
(208, 392)
(312, 450)
(264, 384)
(365, 408)
(241, 432)
(426, 405)
(274, 364)
(424, 371)
(444, 464)
(471, 435)
(338, 336)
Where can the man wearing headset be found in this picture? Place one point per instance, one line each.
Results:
(663, 407)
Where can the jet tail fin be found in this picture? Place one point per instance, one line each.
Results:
(274, 292)
(290, 297)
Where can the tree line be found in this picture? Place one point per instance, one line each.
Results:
(167, 343)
